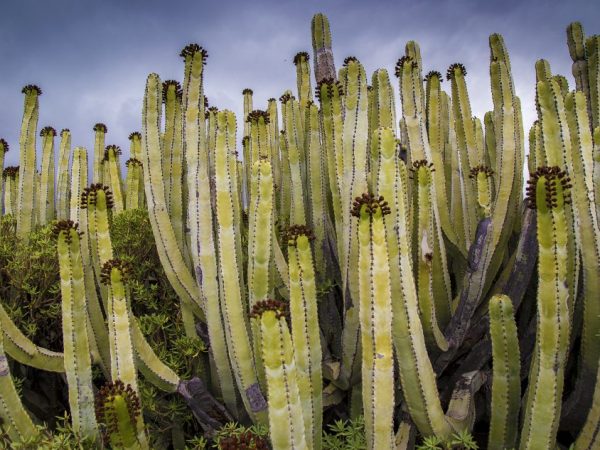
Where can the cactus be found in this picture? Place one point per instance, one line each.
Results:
(112, 176)
(286, 423)
(10, 176)
(506, 387)
(26, 192)
(63, 185)
(547, 193)
(77, 350)
(45, 197)
(375, 320)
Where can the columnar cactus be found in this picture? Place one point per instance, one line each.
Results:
(45, 197)
(112, 176)
(63, 185)
(548, 192)
(26, 192)
(77, 360)
(100, 131)
(286, 423)
(375, 320)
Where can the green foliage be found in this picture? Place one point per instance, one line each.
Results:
(29, 283)
(462, 440)
(345, 435)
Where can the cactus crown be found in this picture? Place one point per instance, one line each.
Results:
(133, 162)
(135, 134)
(10, 171)
(453, 67)
(552, 177)
(31, 88)
(371, 204)
(167, 84)
(247, 91)
(330, 84)
(255, 116)
(105, 407)
(192, 49)
(245, 140)
(66, 226)
(88, 196)
(65, 130)
(4, 145)
(281, 308)
(111, 148)
(271, 100)
(301, 57)
(350, 59)
(422, 163)
(433, 73)
(246, 440)
(481, 169)
(47, 131)
(286, 97)
(100, 127)
(400, 64)
(111, 264)
(293, 232)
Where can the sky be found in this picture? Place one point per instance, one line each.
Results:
(91, 59)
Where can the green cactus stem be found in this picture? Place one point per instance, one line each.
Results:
(16, 422)
(22, 349)
(79, 181)
(592, 47)
(547, 193)
(286, 423)
(45, 197)
(112, 176)
(10, 176)
(321, 43)
(100, 131)
(118, 408)
(133, 183)
(295, 158)
(305, 330)
(166, 242)
(115, 275)
(232, 306)
(506, 381)
(78, 366)
(63, 185)
(375, 320)
(354, 142)
(301, 61)
(25, 210)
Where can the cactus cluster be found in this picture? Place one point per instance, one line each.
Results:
(343, 264)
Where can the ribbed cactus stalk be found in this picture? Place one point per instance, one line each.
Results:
(506, 381)
(305, 330)
(63, 185)
(166, 241)
(118, 408)
(100, 131)
(10, 176)
(16, 422)
(592, 47)
(115, 275)
(79, 181)
(274, 143)
(20, 348)
(26, 193)
(375, 320)
(171, 98)
(232, 301)
(133, 184)
(286, 423)
(112, 176)
(78, 366)
(248, 108)
(323, 54)
(4, 147)
(548, 191)
(45, 197)
(301, 61)
(354, 142)
(295, 158)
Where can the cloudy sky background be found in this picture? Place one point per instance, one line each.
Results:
(91, 59)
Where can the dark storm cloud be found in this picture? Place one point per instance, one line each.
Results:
(91, 58)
